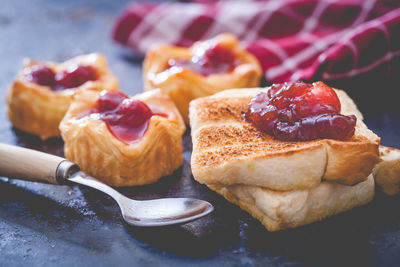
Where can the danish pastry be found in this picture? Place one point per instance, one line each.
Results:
(205, 68)
(121, 140)
(40, 95)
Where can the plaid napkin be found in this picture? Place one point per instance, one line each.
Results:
(293, 39)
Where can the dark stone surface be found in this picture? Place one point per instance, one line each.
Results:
(46, 225)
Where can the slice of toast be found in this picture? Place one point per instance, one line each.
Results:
(278, 210)
(228, 150)
(387, 172)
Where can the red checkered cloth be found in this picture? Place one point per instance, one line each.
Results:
(293, 39)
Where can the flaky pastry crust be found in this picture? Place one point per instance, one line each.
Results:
(90, 144)
(37, 109)
(185, 85)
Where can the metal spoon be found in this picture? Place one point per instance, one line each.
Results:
(27, 164)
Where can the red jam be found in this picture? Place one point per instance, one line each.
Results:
(214, 60)
(72, 77)
(299, 112)
(75, 76)
(41, 75)
(126, 118)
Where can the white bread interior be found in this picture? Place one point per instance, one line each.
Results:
(387, 172)
(278, 210)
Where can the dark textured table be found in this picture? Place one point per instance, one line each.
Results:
(46, 225)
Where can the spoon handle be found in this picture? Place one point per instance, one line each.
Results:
(28, 164)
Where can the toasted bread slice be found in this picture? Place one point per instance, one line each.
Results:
(387, 172)
(278, 210)
(228, 150)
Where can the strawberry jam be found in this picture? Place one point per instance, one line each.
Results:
(70, 78)
(126, 118)
(299, 111)
(74, 76)
(41, 75)
(214, 60)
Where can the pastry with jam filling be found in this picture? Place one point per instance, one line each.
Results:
(204, 69)
(121, 140)
(41, 93)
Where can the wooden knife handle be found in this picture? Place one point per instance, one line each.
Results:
(27, 164)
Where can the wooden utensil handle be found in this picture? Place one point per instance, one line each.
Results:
(28, 164)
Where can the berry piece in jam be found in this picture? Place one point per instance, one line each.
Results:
(41, 75)
(133, 113)
(299, 111)
(74, 77)
(109, 100)
(214, 60)
(126, 118)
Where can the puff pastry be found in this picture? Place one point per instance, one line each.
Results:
(90, 143)
(37, 109)
(184, 84)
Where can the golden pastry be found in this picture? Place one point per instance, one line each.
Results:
(204, 69)
(124, 141)
(40, 95)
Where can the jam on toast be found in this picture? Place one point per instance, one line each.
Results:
(281, 183)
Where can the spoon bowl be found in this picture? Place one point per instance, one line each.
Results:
(165, 211)
(150, 213)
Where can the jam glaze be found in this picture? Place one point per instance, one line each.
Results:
(72, 77)
(213, 60)
(299, 112)
(126, 118)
